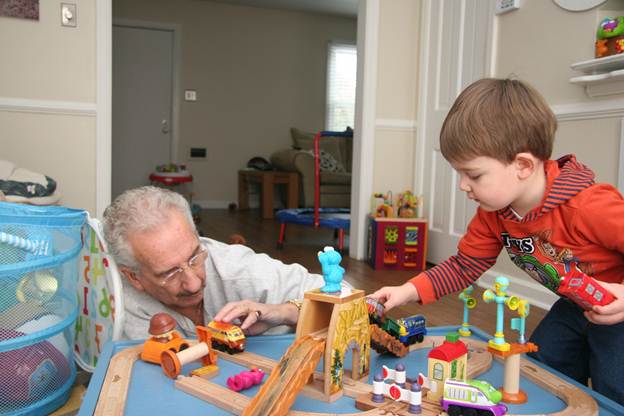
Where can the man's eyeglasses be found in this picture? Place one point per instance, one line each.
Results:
(195, 263)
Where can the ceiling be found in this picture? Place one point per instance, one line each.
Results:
(346, 8)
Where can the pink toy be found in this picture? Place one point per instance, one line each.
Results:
(245, 379)
(31, 373)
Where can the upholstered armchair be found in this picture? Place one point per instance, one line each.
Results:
(335, 167)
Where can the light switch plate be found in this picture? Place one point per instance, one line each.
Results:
(68, 14)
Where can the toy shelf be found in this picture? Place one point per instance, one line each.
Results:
(603, 76)
(397, 243)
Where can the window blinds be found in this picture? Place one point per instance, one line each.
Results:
(341, 77)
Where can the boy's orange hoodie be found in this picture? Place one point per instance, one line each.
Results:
(578, 224)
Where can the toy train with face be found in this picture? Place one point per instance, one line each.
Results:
(227, 337)
(394, 336)
(583, 290)
(474, 397)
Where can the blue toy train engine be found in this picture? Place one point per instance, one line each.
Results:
(394, 336)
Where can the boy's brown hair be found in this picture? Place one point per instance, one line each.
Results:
(498, 118)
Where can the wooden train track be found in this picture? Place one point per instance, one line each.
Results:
(112, 399)
(280, 390)
(114, 389)
(577, 401)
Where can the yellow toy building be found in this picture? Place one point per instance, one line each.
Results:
(345, 318)
(446, 361)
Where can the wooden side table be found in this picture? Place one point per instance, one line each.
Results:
(267, 181)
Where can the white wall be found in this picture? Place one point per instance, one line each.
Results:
(47, 98)
(257, 73)
(397, 91)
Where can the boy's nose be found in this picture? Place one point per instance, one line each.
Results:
(463, 184)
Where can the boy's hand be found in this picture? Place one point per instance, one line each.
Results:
(612, 313)
(392, 296)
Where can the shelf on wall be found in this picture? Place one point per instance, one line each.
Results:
(603, 76)
(608, 63)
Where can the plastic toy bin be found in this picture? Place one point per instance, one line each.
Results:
(39, 247)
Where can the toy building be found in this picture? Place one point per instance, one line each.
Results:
(446, 361)
(345, 320)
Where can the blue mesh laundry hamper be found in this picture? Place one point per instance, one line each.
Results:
(38, 306)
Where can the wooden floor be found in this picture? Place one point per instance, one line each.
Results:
(303, 243)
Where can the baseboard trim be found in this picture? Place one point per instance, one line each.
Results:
(534, 293)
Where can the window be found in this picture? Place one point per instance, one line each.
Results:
(341, 75)
(590, 288)
(438, 371)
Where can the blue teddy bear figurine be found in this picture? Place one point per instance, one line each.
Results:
(332, 271)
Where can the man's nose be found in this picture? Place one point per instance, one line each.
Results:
(191, 281)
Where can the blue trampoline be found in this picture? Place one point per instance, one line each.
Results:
(336, 218)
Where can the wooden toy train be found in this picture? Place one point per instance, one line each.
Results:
(393, 336)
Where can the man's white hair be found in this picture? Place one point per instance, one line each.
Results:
(137, 210)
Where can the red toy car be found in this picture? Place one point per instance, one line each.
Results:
(583, 290)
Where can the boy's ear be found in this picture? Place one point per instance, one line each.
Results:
(132, 278)
(526, 164)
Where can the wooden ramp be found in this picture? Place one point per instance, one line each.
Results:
(290, 375)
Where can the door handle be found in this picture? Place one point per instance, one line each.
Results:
(164, 126)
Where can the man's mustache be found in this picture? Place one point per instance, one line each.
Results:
(186, 294)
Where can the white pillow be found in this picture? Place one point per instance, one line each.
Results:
(328, 163)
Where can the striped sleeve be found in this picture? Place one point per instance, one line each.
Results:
(457, 272)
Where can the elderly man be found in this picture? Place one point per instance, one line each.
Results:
(169, 268)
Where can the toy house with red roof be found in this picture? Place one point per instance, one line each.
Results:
(446, 361)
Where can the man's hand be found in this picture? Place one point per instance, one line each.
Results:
(392, 296)
(612, 313)
(257, 317)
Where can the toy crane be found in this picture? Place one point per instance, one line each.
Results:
(469, 303)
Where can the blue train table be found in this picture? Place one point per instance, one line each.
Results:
(122, 384)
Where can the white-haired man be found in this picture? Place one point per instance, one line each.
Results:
(169, 268)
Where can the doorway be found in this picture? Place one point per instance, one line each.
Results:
(368, 16)
(142, 103)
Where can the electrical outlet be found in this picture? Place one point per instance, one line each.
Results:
(198, 152)
(190, 95)
(505, 6)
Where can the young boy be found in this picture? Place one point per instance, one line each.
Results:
(549, 215)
